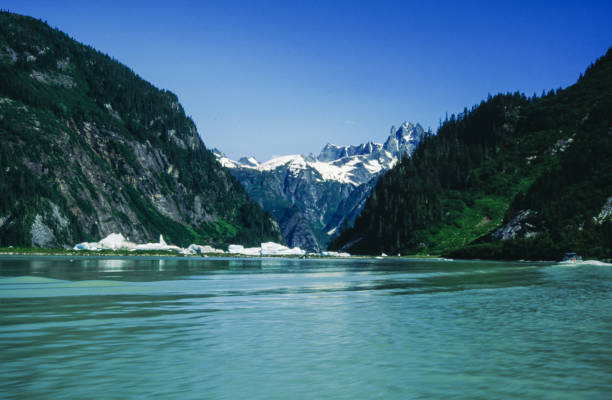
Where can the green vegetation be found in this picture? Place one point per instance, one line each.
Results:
(38, 251)
(549, 156)
(86, 140)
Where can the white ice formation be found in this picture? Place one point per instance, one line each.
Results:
(116, 241)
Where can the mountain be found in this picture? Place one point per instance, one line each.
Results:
(312, 197)
(513, 178)
(89, 148)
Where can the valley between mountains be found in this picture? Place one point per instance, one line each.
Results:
(313, 197)
(89, 148)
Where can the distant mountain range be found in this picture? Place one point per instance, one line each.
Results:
(312, 197)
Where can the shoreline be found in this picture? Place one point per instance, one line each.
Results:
(39, 252)
(24, 252)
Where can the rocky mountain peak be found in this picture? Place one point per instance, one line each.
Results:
(404, 139)
(332, 152)
(252, 161)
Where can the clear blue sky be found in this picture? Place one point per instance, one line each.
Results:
(268, 78)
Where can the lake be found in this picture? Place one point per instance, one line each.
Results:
(182, 328)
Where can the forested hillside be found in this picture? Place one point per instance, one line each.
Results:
(513, 177)
(89, 148)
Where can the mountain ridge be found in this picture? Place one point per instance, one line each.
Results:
(338, 162)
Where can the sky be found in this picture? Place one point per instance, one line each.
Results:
(266, 78)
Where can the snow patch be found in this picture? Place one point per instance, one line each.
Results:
(295, 161)
(331, 172)
(227, 163)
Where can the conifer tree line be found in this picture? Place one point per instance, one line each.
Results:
(551, 155)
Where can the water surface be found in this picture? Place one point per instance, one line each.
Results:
(87, 328)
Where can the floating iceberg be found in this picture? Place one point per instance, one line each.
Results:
(275, 249)
(248, 251)
(197, 249)
(87, 246)
(334, 254)
(266, 249)
(162, 245)
(116, 241)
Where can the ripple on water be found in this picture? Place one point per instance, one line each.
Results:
(265, 330)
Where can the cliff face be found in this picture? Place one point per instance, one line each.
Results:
(89, 148)
(307, 209)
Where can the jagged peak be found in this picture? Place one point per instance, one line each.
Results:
(404, 139)
(252, 161)
(351, 164)
(410, 127)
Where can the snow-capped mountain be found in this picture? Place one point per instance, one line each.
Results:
(346, 164)
(313, 196)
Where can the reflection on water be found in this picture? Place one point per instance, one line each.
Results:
(92, 328)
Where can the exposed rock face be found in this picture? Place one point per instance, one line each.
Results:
(42, 235)
(296, 230)
(517, 228)
(605, 213)
(313, 197)
(89, 148)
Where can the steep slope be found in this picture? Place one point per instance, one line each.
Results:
(312, 197)
(89, 148)
(518, 177)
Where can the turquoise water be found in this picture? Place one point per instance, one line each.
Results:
(303, 329)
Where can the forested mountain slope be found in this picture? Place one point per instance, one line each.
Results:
(89, 148)
(513, 177)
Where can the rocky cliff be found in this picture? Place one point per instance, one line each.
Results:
(90, 148)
